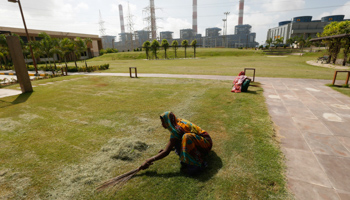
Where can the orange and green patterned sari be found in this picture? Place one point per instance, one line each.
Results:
(193, 142)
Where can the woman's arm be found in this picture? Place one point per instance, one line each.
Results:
(162, 154)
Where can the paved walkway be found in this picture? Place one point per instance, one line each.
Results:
(313, 122)
(313, 126)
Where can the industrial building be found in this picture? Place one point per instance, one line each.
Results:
(302, 26)
(108, 41)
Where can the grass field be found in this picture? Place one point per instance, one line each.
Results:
(227, 62)
(62, 140)
(65, 138)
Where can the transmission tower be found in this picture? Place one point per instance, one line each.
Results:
(102, 27)
(150, 19)
(225, 28)
(130, 25)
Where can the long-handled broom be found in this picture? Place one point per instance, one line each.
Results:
(118, 181)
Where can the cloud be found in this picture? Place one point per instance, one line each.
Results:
(276, 5)
(343, 10)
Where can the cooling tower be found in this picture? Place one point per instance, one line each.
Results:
(194, 17)
(153, 20)
(241, 9)
(121, 17)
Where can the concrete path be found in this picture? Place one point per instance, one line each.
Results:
(313, 126)
(313, 122)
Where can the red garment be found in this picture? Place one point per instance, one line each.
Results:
(237, 83)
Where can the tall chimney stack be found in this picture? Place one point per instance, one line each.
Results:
(241, 9)
(194, 17)
(121, 17)
(153, 20)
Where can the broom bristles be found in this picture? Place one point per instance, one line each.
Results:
(121, 180)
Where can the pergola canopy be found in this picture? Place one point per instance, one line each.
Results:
(330, 37)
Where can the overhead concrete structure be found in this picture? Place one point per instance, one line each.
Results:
(194, 17)
(121, 18)
(241, 10)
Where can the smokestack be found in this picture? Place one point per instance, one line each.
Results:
(194, 17)
(153, 20)
(121, 17)
(241, 9)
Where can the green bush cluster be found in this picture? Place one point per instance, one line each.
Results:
(72, 68)
(108, 50)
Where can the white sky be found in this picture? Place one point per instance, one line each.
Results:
(82, 16)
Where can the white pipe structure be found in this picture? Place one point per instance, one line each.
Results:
(241, 9)
(153, 20)
(121, 17)
(194, 18)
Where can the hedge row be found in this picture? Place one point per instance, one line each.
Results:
(70, 68)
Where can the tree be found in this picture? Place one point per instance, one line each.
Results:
(301, 42)
(194, 45)
(154, 48)
(88, 42)
(165, 45)
(66, 46)
(4, 50)
(55, 50)
(184, 43)
(335, 44)
(46, 46)
(147, 45)
(79, 47)
(291, 41)
(269, 41)
(278, 41)
(175, 45)
(37, 50)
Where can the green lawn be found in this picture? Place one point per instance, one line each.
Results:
(228, 62)
(64, 139)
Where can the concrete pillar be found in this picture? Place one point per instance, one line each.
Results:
(18, 62)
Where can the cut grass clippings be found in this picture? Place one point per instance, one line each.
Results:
(66, 138)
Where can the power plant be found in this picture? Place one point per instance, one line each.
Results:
(243, 37)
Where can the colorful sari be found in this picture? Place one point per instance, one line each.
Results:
(237, 83)
(193, 142)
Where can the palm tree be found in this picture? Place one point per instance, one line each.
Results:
(55, 50)
(66, 46)
(79, 47)
(269, 41)
(175, 46)
(147, 45)
(88, 42)
(46, 46)
(194, 44)
(154, 48)
(36, 47)
(4, 50)
(301, 42)
(291, 41)
(278, 41)
(165, 45)
(184, 43)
